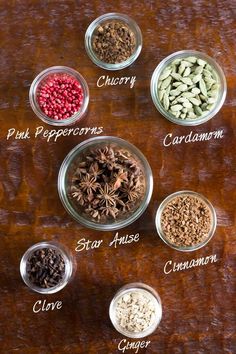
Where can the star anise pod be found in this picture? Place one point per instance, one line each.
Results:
(95, 202)
(107, 196)
(95, 170)
(109, 211)
(112, 165)
(78, 195)
(103, 154)
(89, 184)
(93, 213)
(128, 206)
(90, 197)
(129, 161)
(107, 158)
(134, 181)
(130, 192)
(119, 177)
(81, 169)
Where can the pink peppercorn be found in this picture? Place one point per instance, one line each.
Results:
(60, 96)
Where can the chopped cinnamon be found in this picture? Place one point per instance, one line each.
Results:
(186, 220)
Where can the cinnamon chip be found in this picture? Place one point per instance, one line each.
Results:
(186, 220)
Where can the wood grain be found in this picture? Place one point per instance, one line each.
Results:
(198, 304)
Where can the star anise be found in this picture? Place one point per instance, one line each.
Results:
(78, 195)
(130, 192)
(107, 158)
(95, 202)
(102, 155)
(95, 170)
(120, 177)
(89, 184)
(129, 161)
(93, 213)
(107, 183)
(107, 196)
(110, 211)
(134, 181)
(81, 169)
(112, 165)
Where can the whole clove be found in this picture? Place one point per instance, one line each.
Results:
(45, 268)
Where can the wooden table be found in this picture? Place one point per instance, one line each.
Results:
(198, 303)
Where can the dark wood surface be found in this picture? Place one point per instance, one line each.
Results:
(199, 303)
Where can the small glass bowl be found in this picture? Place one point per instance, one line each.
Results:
(66, 171)
(148, 292)
(68, 267)
(101, 21)
(180, 55)
(162, 207)
(44, 76)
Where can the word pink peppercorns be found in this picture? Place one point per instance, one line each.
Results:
(60, 97)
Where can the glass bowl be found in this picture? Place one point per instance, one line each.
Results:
(147, 291)
(70, 165)
(219, 75)
(103, 20)
(162, 234)
(46, 75)
(68, 267)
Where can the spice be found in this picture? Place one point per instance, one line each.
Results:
(186, 220)
(188, 88)
(45, 268)
(135, 311)
(113, 42)
(60, 96)
(107, 183)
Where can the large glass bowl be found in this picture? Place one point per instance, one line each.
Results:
(68, 167)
